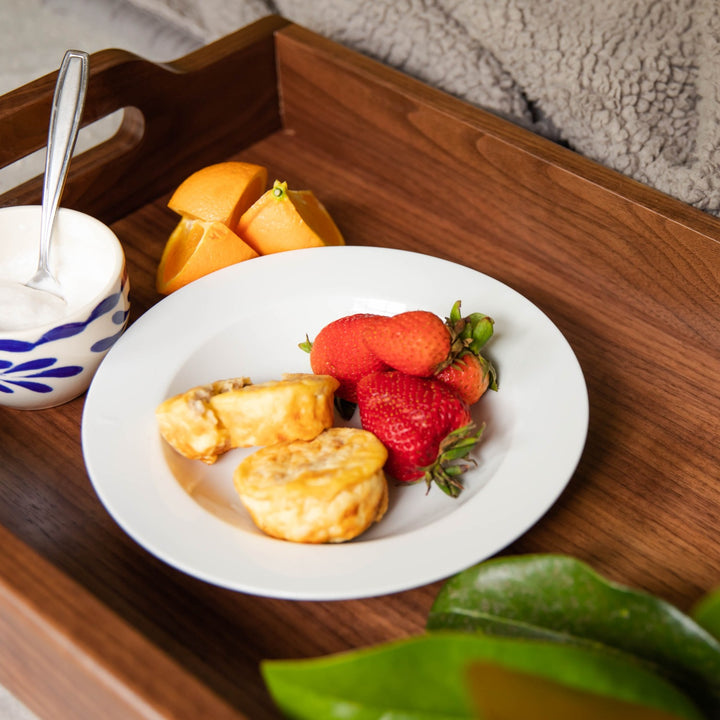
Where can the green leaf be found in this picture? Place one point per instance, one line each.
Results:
(434, 676)
(481, 330)
(560, 599)
(455, 313)
(706, 613)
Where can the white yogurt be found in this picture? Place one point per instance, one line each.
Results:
(82, 263)
(22, 307)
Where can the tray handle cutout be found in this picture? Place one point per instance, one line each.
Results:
(159, 120)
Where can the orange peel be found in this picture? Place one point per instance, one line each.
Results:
(220, 192)
(283, 219)
(196, 248)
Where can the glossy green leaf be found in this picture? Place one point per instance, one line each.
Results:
(560, 599)
(431, 677)
(503, 693)
(707, 613)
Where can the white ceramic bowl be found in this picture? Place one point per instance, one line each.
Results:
(47, 363)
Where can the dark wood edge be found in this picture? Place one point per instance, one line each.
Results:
(67, 656)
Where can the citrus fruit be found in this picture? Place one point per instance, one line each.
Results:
(221, 192)
(283, 219)
(196, 248)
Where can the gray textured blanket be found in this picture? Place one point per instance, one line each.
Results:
(632, 84)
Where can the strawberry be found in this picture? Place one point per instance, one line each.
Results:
(423, 424)
(416, 342)
(338, 350)
(469, 375)
(466, 371)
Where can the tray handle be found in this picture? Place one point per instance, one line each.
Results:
(176, 116)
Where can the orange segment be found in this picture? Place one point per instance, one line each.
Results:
(197, 248)
(285, 219)
(221, 192)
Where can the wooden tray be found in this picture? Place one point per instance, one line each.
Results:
(93, 626)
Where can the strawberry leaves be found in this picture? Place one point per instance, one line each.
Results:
(452, 460)
(472, 331)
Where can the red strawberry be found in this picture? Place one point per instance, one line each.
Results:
(423, 424)
(338, 350)
(416, 342)
(469, 375)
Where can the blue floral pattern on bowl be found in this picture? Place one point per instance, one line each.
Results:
(20, 375)
(29, 373)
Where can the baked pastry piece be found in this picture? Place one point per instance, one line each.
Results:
(209, 420)
(329, 489)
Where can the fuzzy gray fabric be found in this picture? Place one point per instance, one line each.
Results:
(632, 84)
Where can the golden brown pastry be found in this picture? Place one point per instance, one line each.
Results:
(209, 420)
(329, 489)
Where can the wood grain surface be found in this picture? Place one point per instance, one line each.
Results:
(91, 625)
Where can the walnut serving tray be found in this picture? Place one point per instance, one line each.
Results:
(92, 625)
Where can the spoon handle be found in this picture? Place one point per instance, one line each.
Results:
(67, 107)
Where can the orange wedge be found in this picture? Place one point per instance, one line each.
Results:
(285, 219)
(220, 192)
(196, 248)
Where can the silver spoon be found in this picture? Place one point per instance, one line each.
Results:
(67, 107)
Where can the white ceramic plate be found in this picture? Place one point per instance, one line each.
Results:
(248, 320)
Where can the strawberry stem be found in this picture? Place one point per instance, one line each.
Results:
(446, 471)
